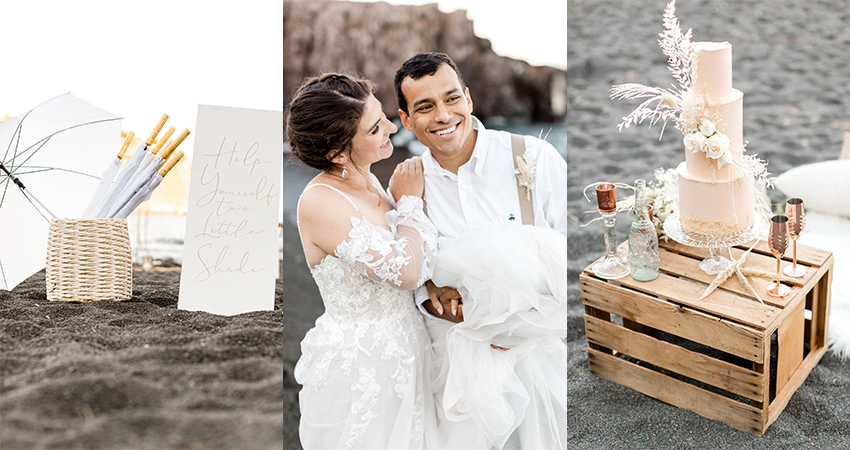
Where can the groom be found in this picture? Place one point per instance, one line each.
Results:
(469, 170)
(470, 180)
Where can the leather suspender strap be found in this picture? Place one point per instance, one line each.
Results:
(526, 205)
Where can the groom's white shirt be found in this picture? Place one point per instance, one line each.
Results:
(485, 191)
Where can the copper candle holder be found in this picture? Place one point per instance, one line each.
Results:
(796, 224)
(612, 266)
(606, 197)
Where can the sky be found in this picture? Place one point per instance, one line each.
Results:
(142, 58)
(532, 30)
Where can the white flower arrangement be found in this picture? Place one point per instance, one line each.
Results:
(664, 197)
(713, 143)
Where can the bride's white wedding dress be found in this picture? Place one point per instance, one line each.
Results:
(514, 285)
(364, 365)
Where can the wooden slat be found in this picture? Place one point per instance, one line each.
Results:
(637, 327)
(808, 333)
(590, 311)
(697, 366)
(685, 267)
(678, 393)
(721, 304)
(694, 325)
(824, 302)
(809, 256)
(821, 274)
(754, 260)
(797, 380)
(763, 369)
(767, 262)
(789, 341)
(812, 303)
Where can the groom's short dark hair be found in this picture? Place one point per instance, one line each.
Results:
(419, 66)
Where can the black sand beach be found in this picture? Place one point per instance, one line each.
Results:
(142, 374)
(791, 61)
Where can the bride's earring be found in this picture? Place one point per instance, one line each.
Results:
(344, 173)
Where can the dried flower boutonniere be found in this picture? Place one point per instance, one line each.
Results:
(526, 167)
(525, 173)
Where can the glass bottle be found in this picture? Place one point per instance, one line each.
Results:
(643, 240)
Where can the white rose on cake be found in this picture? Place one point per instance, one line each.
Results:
(725, 159)
(717, 147)
(695, 142)
(707, 128)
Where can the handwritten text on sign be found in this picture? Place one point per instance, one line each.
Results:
(230, 249)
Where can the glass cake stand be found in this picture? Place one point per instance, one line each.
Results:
(715, 263)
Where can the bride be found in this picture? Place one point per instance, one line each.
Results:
(364, 363)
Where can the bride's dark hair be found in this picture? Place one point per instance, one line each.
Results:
(324, 115)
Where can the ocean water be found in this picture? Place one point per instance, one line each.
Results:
(161, 235)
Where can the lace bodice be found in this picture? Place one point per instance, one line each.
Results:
(371, 272)
(370, 313)
(347, 281)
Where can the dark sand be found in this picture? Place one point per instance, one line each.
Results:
(142, 374)
(791, 59)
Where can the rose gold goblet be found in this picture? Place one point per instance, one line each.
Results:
(777, 241)
(796, 224)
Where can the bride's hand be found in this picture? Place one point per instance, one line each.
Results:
(452, 298)
(445, 302)
(407, 179)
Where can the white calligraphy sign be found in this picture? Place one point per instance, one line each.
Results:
(230, 257)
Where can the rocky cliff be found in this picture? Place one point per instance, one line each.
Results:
(374, 39)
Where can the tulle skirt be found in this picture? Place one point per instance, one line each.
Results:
(514, 286)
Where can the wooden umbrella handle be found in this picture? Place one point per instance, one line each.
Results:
(163, 171)
(126, 144)
(161, 142)
(173, 145)
(156, 130)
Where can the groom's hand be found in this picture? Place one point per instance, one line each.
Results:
(445, 302)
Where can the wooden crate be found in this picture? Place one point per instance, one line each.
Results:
(727, 357)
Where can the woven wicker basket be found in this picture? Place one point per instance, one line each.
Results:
(89, 260)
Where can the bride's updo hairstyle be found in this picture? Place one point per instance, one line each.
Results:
(324, 115)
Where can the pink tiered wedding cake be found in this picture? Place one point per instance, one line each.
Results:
(718, 199)
(715, 194)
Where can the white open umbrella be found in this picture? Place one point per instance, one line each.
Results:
(51, 157)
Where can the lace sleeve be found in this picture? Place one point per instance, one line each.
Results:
(403, 260)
